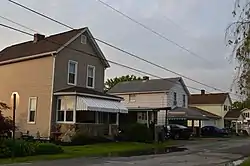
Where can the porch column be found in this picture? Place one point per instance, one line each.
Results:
(236, 127)
(96, 117)
(147, 120)
(117, 118)
(199, 128)
(74, 111)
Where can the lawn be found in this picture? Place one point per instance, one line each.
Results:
(90, 150)
(246, 163)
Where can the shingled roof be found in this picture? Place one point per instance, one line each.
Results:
(233, 114)
(153, 85)
(45, 46)
(213, 98)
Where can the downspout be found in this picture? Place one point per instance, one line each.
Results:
(52, 92)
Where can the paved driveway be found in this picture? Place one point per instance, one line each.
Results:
(203, 153)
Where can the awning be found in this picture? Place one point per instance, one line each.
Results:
(101, 105)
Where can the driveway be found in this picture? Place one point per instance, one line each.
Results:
(203, 153)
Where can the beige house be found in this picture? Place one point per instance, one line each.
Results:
(215, 103)
(60, 82)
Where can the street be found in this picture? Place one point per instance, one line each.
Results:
(200, 152)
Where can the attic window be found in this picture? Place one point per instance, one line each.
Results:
(83, 39)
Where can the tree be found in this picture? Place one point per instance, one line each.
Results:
(110, 83)
(5, 122)
(238, 36)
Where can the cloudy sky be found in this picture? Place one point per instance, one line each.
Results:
(197, 25)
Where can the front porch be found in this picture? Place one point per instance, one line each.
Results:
(92, 115)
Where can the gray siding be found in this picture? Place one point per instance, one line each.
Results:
(61, 65)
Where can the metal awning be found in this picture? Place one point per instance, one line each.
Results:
(101, 105)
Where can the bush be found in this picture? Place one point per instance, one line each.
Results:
(48, 148)
(136, 133)
(82, 139)
(26, 148)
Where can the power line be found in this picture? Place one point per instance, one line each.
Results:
(154, 31)
(119, 49)
(90, 54)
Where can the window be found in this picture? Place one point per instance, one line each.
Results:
(225, 108)
(175, 99)
(132, 98)
(32, 109)
(90, 76)
(72, 72)
(65, 110)
(184, 100)
(83, 39)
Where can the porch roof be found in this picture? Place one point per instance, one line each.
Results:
(150, 109)
(186, 113)
(101, 105)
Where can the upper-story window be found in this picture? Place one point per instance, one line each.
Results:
(91, 76)
(184, 100)
(83, 39)
(225, 108)
(175, 99)
(72, 72)
(132, 98)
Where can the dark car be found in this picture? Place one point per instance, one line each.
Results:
(212, 131)
(179, 132)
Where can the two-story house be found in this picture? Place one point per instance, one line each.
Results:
(215, 103)
(60, 82)
(152, 93)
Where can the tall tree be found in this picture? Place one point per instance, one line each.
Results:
(110, 83)
(238, 36)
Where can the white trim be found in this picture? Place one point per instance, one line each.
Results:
(51, 97)
(28, 119)
(27, 57)
(85, 39)
(86, 94)
(93, 67)
(76, 68)
(146, 92)
(64, 113)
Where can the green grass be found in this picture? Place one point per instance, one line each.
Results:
(89, 151)
(246, 163)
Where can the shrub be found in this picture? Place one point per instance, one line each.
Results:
(82, 139)
(5, 122)
(48, 148)
(136, 133)
(26, 148)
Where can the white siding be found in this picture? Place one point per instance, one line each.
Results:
(180, 91)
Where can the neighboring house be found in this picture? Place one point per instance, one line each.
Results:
(234, 119)
(60, 82)
(215, 103)
(154, 93)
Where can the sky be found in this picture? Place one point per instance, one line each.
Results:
(197, 25)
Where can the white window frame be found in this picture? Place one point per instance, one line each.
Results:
(29, 110)
(76, 68)
(83, 39)
(90, 66)
(64, 115)
(130, 99)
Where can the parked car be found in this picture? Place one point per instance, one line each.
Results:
(213, 131)
(178, 131)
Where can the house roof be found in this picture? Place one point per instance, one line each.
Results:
(85, 91)
(153, 85)
(46, 46)
(213, 98)
(233, 114)
(206, 113)
(187, 113)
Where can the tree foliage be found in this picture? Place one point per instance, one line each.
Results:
(241, 105)
(238, 36)
(110, 83)
(5, 122)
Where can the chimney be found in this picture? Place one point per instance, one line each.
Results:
(203, 92)
(145, 78)
(38, 37)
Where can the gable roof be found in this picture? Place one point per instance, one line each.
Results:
(206, 113)
(154, 85)
(187, 113)
(47, 46)
(213, 98)
(233, 114)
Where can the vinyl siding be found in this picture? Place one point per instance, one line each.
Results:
(179, 90)
(32, 78)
